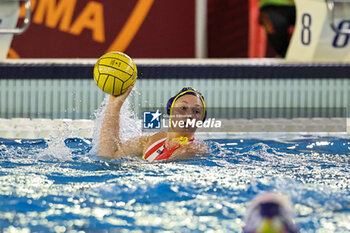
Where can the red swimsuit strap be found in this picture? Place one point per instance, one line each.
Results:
(166, 153)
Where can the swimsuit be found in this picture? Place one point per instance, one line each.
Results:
(157, 150)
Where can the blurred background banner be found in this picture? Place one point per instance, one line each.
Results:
(140, 28)
(90, 28)
(182, 29)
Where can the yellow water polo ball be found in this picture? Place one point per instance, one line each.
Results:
(114, 72)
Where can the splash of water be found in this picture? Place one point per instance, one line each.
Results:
(56, 147)
(131, 127)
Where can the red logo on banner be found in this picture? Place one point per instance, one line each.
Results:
(80, 28)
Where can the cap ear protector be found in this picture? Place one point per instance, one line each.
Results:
(186, 91)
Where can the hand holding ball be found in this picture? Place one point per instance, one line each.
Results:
(115, 72)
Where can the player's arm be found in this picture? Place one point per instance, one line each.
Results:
(110, 145)
(133, 146)
(190, 150)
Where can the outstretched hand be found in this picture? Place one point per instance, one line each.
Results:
(123, 96)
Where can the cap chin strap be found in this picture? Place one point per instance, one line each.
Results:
(271, 226)
(182, 140)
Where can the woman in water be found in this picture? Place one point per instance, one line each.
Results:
(177, 143)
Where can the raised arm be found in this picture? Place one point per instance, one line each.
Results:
(110, 145)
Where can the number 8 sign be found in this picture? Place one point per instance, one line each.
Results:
(319, 35)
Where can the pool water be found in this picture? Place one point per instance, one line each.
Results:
(58, 186)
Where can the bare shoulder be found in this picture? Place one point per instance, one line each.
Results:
(157, 136)
(153, 138)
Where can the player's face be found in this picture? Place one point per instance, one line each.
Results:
(187, 108)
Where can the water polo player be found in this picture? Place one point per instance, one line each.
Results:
(270, 213)
(177, 143)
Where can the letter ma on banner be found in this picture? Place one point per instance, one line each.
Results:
(90, 28)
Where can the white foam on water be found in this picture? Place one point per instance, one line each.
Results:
(58, 130)
(98, 114)
(56, 147)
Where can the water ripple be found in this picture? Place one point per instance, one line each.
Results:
(59, 186)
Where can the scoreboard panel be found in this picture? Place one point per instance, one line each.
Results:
(322, 32)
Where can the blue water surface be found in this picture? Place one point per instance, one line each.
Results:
(57, 186)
